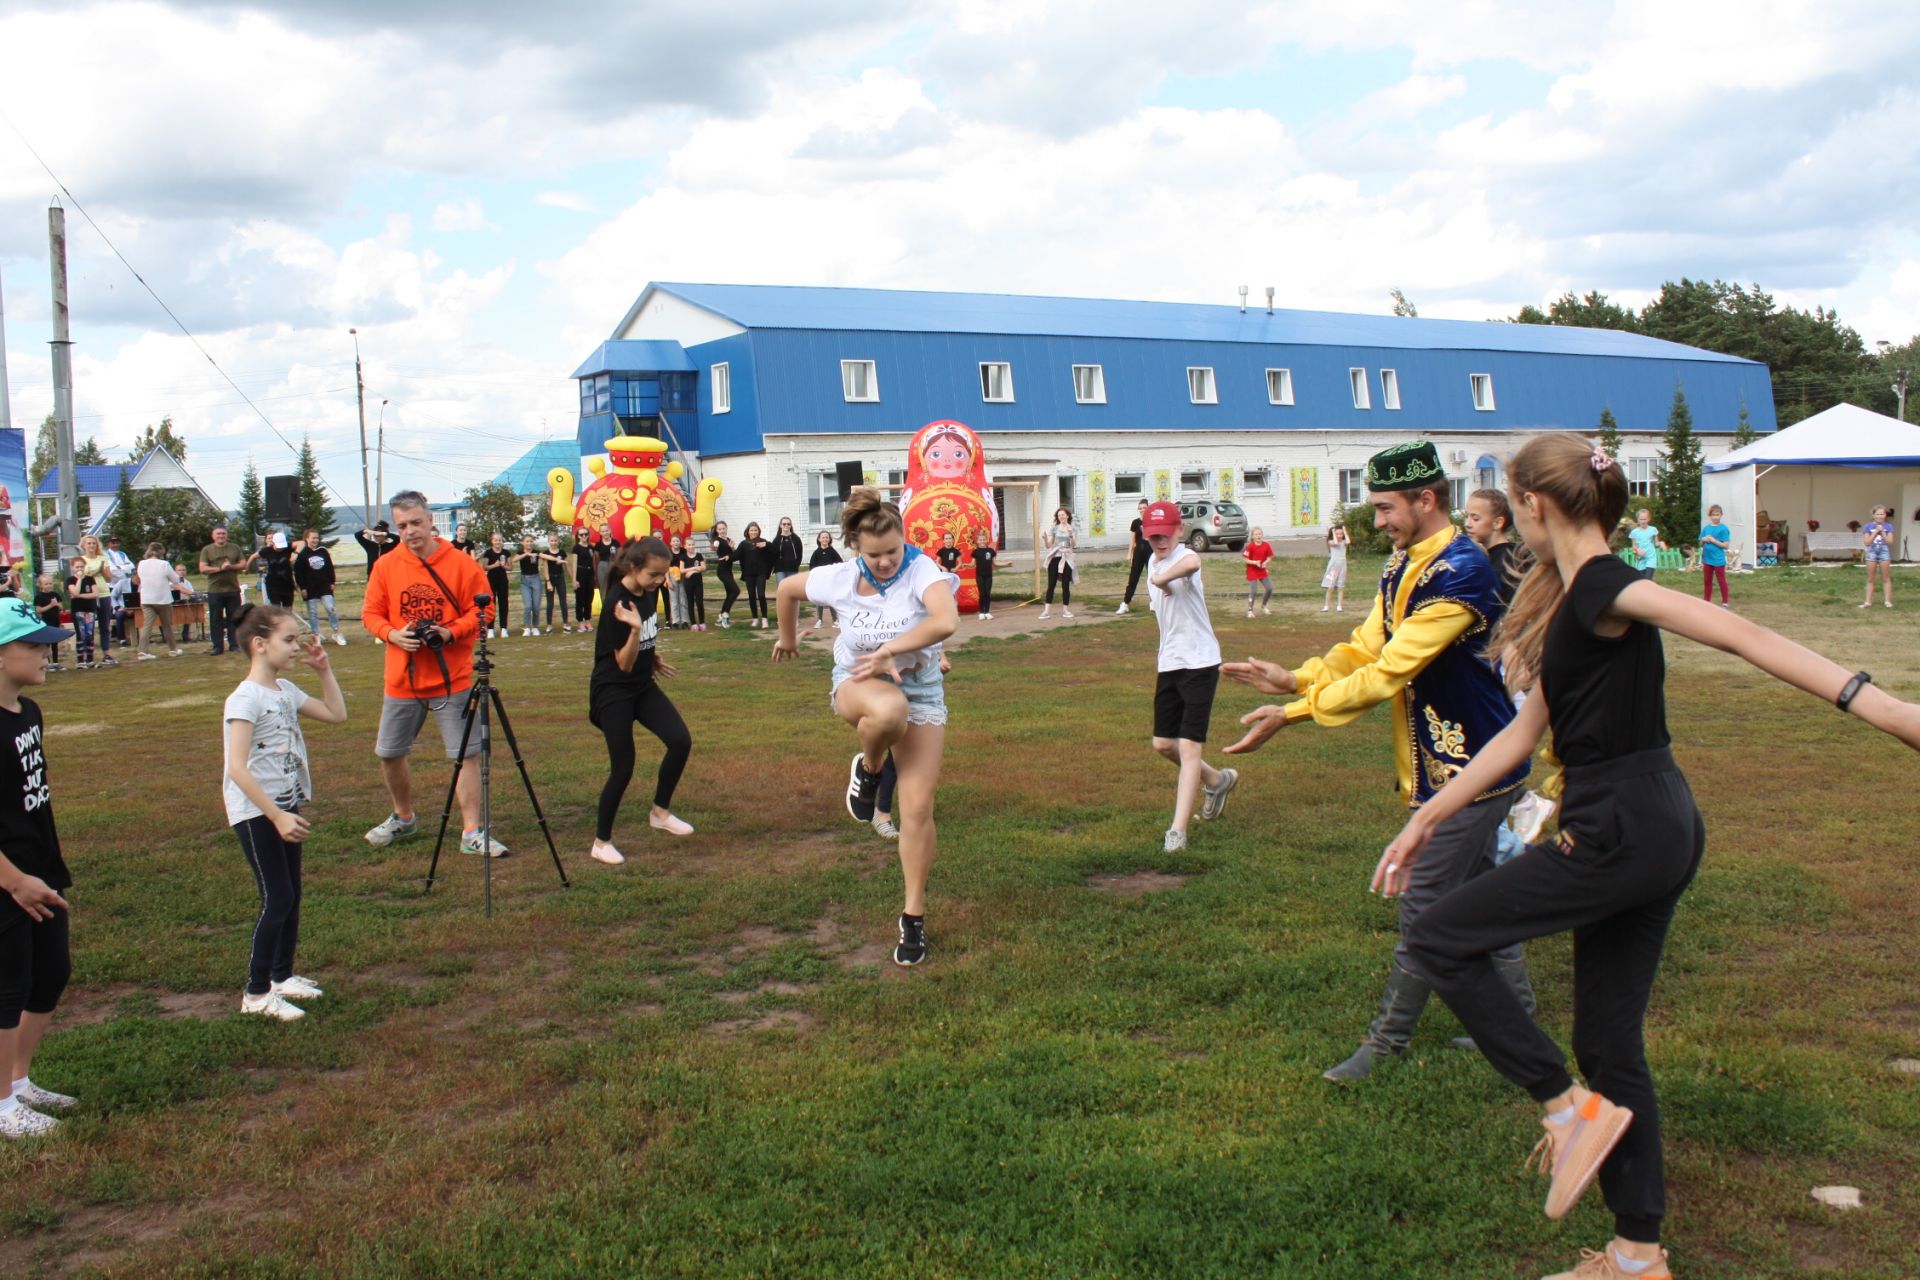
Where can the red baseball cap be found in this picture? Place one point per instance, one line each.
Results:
(1161, 517)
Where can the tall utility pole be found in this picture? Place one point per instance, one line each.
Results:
(360, 391)
(67, 504)
(6, 409)
(380, 450)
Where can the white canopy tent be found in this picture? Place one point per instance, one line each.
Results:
(1833, 467)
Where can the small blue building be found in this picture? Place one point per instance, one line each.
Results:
(1100, 403)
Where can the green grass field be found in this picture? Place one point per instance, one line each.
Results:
(700, 1064)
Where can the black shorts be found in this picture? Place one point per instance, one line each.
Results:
(1183, 703)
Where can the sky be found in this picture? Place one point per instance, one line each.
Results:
(482, 188)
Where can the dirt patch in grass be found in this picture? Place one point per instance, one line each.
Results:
(812, 851)
(764, 989)
(399, 974)
(778, 1020)
(103, 1004)
(205, 1005)
(91, 1236)
(1136, 883)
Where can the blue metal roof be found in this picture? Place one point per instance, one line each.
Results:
(93, 481)
(636, 356)
(528, 475)
(904, 311)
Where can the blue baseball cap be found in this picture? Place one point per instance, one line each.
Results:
(18, 621)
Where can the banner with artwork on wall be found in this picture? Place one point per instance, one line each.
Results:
(1305, 488)
(1163, 486)
(13, 494)
(1227, 478)
(1097, 495)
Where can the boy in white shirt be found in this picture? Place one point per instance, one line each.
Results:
(156, 579)
(1189, 664)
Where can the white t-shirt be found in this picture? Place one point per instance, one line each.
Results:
(156, 579)
(278, 757)
(1186, 632)
(868, 622)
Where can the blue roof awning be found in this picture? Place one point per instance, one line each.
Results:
(1486, 462)
(636, 356)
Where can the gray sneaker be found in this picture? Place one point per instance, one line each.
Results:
(1176, 841)
(394, 828)
(1214, 802)
(470, 843)
(885, 828)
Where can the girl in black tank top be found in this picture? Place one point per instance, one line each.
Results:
(1584, 633)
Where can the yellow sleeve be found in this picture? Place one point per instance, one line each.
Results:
(1342, 686)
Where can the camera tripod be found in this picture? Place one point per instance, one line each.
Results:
(482, 697)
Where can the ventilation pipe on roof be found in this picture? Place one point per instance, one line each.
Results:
(1243, 299)
(1269, 299)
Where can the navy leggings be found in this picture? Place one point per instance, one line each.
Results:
(34, 964)
(276, 870)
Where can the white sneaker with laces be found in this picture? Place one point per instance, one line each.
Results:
(174, 653)
(1175, 842)
(883, 825)
(21, 1121)
(298, 988)
(34, 1096)
(1065, 612)
(1046, 611)
(393, 828)
(272, 1005)
(1215, 802)
(339, 639)
(148, 657)
(470, 843)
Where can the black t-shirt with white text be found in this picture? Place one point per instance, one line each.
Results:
(496, 562)
(609, 681)
(27, 836)
(949, 558)
(983, 561)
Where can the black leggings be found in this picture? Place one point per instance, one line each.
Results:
(498, 585)
(732, 589)
(985, 583)
(1140, 555)
(1631, 840)
(757, 596)
(34, 964)
(557, 594)
(583, 601)
(1061, 574)
(696, 599)
(653, 711)
(276, 870)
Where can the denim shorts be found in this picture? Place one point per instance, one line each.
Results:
(925, 687)
(1880, 553)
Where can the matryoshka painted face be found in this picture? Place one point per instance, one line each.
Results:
(948, 458)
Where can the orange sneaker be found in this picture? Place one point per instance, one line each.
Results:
(1601, 1266)
(1572, 1153)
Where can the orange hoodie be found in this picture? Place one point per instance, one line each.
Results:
(400, 592)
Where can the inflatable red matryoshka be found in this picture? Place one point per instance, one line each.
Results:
(946, 491)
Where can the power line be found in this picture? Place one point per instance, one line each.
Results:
(178, 323)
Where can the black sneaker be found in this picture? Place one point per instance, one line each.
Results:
(862, 789)
(913, 942)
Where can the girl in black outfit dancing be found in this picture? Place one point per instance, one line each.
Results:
(721, 558)
(823, 554)
(754, 554)
(496, 558)
(787, 551)
(584, 582)
(1584, 633)
(625, 691)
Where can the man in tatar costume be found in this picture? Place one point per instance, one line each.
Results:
(1422, 646)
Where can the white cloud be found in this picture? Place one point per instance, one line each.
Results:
(461, 215)
(568, 200)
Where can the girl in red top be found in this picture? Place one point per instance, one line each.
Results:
(1257, 553)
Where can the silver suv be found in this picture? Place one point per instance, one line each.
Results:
(1214, 524)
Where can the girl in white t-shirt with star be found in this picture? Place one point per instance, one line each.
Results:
(895, 606)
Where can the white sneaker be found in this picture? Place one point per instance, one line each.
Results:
(671, 825)
(339, 639)
(24, 1122)
(818, 623)
(1123, 608)
(34, 1096)
(603, 851)
(298, 988)
(470, 843)
(1324, 609)
(148, 657)
(1266, 610)
(1065, 612)
(1175, 842)
(393, 828)
(884, 827)
(1249, 613)
(1215, 802)
(174, 653)
(1046, 611)
(986, 617)
(272, 1005)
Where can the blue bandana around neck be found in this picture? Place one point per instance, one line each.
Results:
(913, 553)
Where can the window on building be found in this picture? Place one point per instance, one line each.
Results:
(679, 391)
(1256, 482)
(1193, 484)
(1089, 384)
(1390, 388)
(1482, 391)
(1458, 487)
(1643, 476)
(586, 397)
(896, 478)
(859, 380)
(1279, 386)
(1361, 398)
(996, 382)
(1353, 486)
(1200, 388)
(722, 389)
(1129, 484)
(823, 498)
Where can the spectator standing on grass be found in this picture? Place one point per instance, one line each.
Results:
(314, 574)
(1334, 580)
(120, 570)
(720, 555)
(1258, 554)
(1646, 543)
(1060, 541)
(222, 562)
(267, 779)
(787, 551)
(376, 541)
(35, 950)
(157, 579)
(1137, 553)
(1877, 538)
(533, 585)
(461, 540)
(584, 569)
(1584, 635)
(676, 598)
(755, 556)
(983, 557)
(100, 569)
(553, 555)
(824, 555)
(603, 549)
(47, 606)
(276, 562)
(84, 593)
(1489, 522)
(1715, 541)
(693, 566)
(496, 558)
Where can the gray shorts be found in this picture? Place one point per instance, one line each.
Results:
(401, 720)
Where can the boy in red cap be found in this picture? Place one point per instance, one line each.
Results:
(1189, 671)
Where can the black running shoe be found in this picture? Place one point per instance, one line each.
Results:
(862, 788)
(913, 942)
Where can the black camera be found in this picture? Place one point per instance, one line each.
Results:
(427, 632)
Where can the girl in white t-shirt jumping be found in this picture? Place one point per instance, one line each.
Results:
(895, 606)
(267, 780)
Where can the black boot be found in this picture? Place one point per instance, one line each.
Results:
(1400, 1008)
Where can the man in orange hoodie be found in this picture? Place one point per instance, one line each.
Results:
(424, 580)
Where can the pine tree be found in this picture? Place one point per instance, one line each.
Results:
(1743, 432)
(310, 494)
(1680, 465)
(251, 516)
(1609, 433)
(160, 437)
